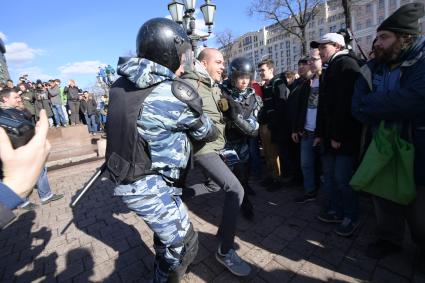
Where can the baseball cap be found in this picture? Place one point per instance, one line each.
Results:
(328, 38)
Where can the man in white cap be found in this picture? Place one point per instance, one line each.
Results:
(337, 132)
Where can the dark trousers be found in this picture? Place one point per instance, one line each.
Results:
(74, 106)
(210, 174)
(289, 156)
(391, 218)
(337, 172)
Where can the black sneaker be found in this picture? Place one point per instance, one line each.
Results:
(346, 228)
(52, 198)
(329, 217)
(30, 206)
(381, 249)
(307, 197)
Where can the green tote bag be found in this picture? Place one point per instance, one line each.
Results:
(387, 167)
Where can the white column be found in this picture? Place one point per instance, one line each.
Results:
(386, 6)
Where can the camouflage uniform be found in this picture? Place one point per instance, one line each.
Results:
(164, 123)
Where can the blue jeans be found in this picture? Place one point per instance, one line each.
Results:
(337, 171)
(58, 115)
(91, 122)
(43, 187)
(102, 118)
(308, 160)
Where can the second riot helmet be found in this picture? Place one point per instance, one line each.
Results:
(162, 41)
(241, 66)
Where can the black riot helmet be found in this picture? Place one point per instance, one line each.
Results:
(162, 41)
(241, 66)
(346, 33)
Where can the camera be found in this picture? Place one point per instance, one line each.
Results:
(20, 131)
(18, 127)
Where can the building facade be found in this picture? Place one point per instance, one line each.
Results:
(285, 49)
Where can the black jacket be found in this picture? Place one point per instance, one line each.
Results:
(334, 119)
(299, 107)
(274, 111)
(88, 106)
(72, 92)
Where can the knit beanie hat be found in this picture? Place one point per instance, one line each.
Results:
(405, 19)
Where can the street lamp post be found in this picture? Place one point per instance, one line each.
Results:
(183, 14)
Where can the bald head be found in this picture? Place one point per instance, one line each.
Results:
(213, 61)
(206, 52)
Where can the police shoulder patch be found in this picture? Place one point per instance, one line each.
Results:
(184, 92)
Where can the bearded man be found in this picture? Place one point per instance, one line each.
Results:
(392, 88)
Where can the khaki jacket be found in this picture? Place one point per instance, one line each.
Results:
(210, 93)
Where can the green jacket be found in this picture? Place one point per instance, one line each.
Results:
(63, 95)
(28, 98)
(210, 93)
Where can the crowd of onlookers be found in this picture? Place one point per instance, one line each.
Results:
(318, 127)
(65, 105)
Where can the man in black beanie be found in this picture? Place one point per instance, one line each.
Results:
(392, 88)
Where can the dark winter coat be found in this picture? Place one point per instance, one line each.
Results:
(334, 119)
(274, 110)
(42, 102)
(72, 92)
(28, 98)
(299, 107)
(88, 106)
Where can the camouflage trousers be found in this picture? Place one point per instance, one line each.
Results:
(160, 206)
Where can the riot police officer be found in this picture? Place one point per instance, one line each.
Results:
(151, 117)
(237, 91)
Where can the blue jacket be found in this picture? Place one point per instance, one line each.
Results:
(8, 197)
(405, 102)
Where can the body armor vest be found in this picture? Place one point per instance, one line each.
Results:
(232, 133)
(127, 154)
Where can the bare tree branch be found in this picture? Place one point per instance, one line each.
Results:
(293, 16)
(226, 40)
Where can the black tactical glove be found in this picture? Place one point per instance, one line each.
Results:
(229, 107)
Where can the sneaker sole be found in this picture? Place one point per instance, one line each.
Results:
(347, 234)
(50, 200)
(229, 268)
(329, 220)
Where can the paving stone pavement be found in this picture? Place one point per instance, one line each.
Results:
(102, 241)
